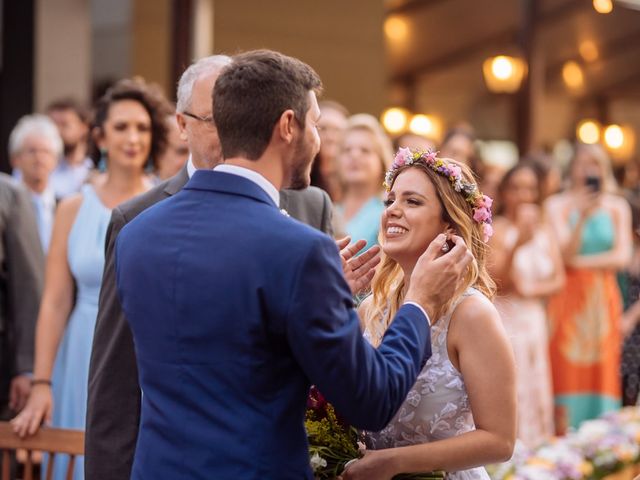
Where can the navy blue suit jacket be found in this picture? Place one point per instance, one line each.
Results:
(235, 308)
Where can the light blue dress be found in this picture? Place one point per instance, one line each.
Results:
(366, 223)
(85, 254)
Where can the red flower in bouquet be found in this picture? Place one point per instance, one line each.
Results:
(317, 402)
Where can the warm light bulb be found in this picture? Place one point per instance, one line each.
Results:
(588, 131)
(395, 120)
(589, 51)
(502, 67)
(572, 75)
(503, 73)
(614, 137)
(421, 125)
(396, 29)
(603, 6)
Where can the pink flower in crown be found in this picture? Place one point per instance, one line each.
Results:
(487, 232)
(455, 171)
(481, 214)
(485, 202)
(430, 157)
(402, 157)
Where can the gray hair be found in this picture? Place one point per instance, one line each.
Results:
(36, 124)
(202, 67)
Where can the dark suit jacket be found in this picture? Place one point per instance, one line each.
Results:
(235, 309)
(21, 282)
(113, 410)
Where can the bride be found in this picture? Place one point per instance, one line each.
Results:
(461, 413)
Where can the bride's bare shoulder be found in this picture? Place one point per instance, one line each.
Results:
(476, 315)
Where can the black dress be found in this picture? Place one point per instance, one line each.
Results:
(630, 365)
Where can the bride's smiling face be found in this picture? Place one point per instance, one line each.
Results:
(412, 218)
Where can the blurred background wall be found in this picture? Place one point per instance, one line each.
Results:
(419, 56)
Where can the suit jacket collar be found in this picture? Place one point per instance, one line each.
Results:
(177, 182)
(228, 183)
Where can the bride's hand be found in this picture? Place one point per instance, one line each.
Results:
(375, 465)
(38, 407)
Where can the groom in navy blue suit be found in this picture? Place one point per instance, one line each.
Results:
(236, 308)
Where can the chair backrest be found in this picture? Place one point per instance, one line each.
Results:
(49, 440)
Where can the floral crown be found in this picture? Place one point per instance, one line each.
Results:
(480, 203)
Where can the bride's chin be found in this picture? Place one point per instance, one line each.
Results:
(392, 251)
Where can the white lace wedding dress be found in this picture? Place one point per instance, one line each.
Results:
(437, 406)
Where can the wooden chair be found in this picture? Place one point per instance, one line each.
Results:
(49, 440)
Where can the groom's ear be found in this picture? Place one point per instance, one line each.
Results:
(286, 126)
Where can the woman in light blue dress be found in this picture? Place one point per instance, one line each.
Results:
(365, 154)
(129, 128)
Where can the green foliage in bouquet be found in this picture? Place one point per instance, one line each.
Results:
(332, 443)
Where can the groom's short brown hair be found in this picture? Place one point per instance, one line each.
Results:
(251, 94)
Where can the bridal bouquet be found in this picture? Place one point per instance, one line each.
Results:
(333, 443)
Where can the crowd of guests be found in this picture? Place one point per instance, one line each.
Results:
(565, 255)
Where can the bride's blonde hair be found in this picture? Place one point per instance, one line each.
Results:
(388, 287)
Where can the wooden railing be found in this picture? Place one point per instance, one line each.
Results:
(49, 440)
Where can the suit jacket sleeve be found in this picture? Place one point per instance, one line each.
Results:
(367, 386)
(25, 270)
(113, 410)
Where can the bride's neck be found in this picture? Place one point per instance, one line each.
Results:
(407, 280)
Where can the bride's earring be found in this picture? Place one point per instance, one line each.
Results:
(445, 248)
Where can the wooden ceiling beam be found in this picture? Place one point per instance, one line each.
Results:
(612, 48)
(478, 46)
(609, 90)
(410, 6)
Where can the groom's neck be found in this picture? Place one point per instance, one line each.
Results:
(269, 168)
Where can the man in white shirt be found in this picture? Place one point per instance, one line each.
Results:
(73, 166)
(34, 148)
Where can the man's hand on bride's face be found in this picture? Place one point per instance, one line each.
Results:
(358, 271)
(436, 276)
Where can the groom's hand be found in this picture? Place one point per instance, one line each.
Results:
(358, 271)
(437, 275)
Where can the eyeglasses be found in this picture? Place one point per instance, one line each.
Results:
(197, 117)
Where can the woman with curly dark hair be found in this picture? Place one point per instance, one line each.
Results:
(128, 130)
